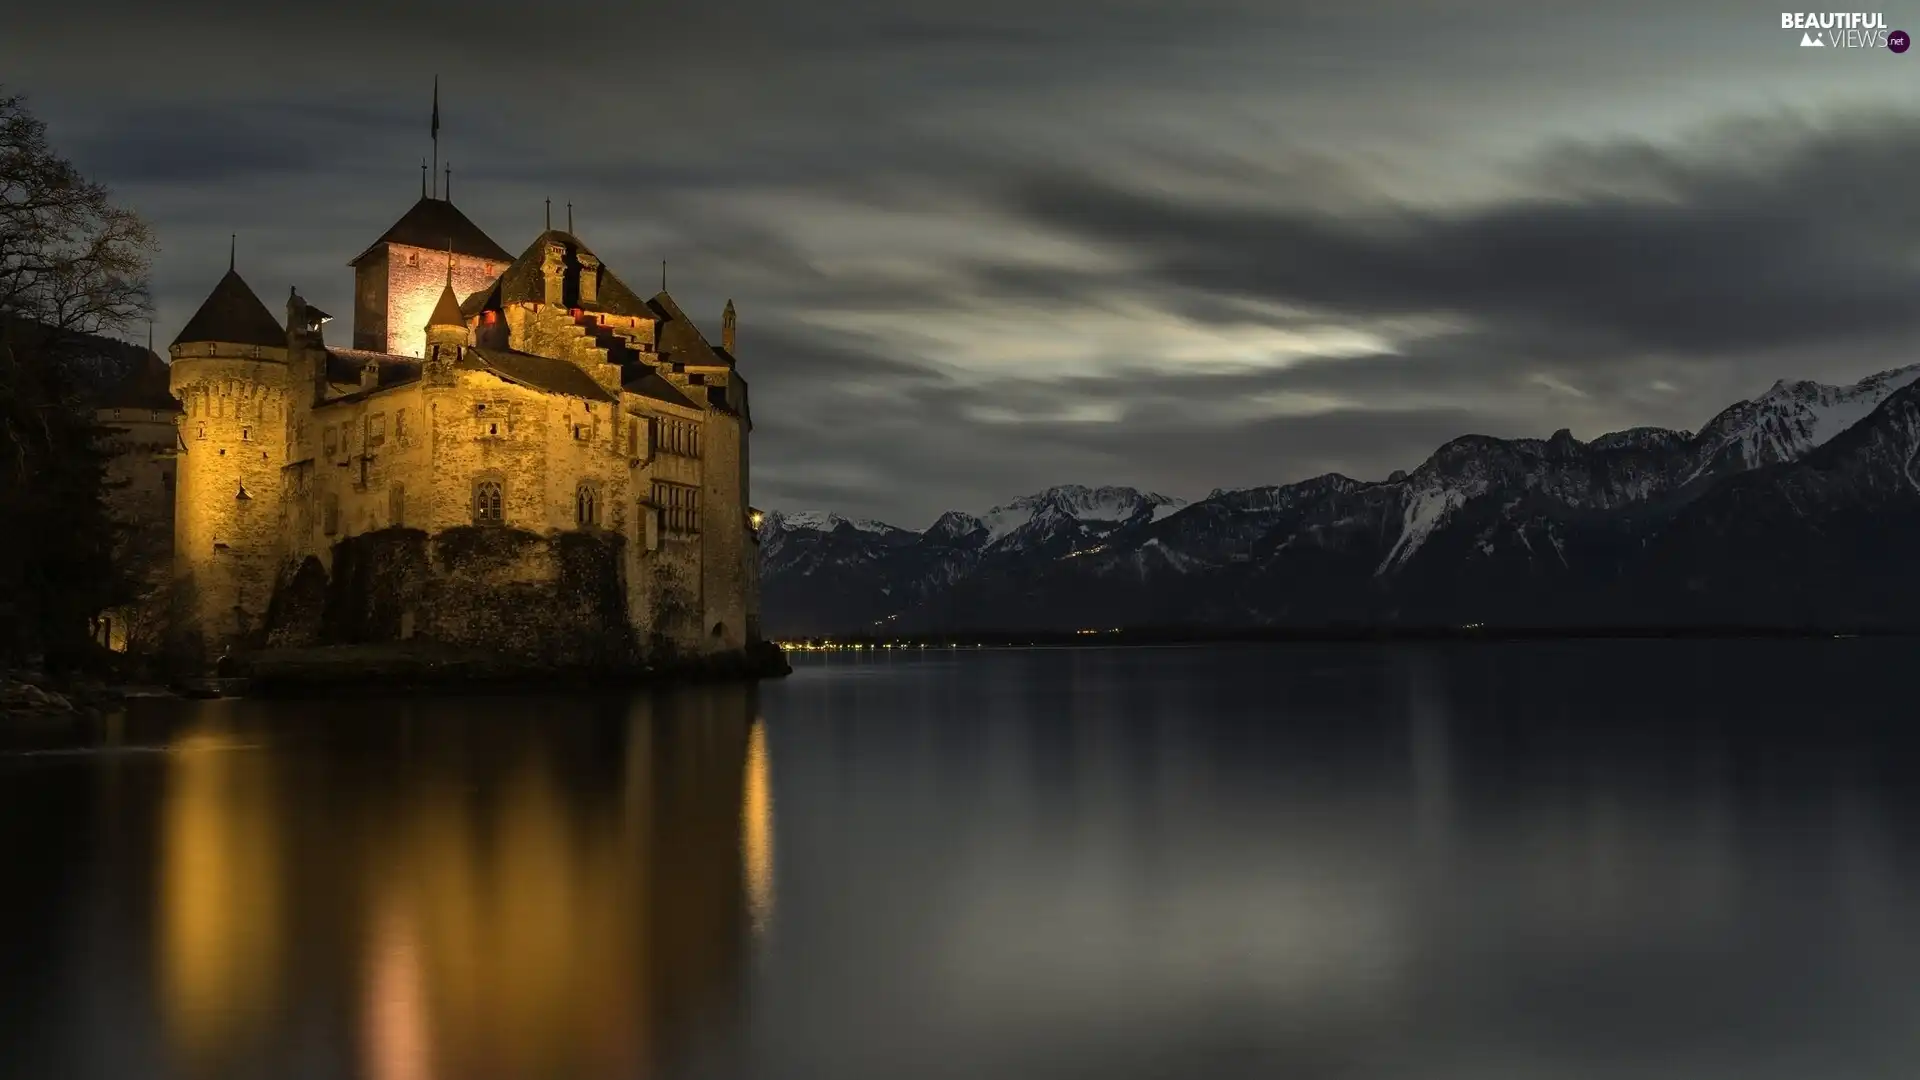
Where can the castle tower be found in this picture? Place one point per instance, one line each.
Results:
(398, 278)
(229, 373)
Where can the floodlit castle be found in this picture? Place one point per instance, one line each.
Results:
(516, 452)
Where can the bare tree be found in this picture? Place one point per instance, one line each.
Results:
(69, 258)
(71, 263)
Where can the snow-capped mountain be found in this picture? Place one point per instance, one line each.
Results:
(1536, 530)
(1791, 419)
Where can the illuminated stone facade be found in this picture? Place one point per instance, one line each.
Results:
(518, 453)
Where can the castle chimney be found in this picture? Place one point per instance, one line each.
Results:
(554, 269)
(726, 328)
(589, 278)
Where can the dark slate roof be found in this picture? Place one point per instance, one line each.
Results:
(433, 223)
(523, 282)
(485, 299)
(346, 365)
(536, 372)
(647, 383)
(680, 341)
(232, 314)
(447, 311)
(145, 387)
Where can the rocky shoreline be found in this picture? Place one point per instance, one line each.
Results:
(345, 670)
(338, 670)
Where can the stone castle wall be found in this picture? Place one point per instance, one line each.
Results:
(553, 600)
(227, 509)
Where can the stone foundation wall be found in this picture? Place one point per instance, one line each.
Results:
(555, 600)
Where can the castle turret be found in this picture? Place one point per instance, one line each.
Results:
(229, 372)
(446, 327)
(726, 328)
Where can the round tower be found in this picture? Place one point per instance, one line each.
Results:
(229, 373)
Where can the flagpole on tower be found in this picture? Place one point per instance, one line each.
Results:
(436, 134)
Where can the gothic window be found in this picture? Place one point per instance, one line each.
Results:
(397, 506)
(586, 505)
(487, 509)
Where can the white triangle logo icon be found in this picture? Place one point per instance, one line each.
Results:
(1808, 41)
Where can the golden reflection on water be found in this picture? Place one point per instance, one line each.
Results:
(399, 1044)
(221, 906)
(756, 827)
(502, 897)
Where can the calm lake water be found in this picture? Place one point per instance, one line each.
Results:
(1642, 860)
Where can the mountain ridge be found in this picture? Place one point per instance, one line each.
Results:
(1506, 528)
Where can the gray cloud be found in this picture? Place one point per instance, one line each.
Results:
(1767, 235)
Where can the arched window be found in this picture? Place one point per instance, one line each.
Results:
(586, 506)
(487, 503)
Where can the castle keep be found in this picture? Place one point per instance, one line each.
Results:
(516, 452)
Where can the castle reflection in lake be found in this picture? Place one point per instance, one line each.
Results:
(409, 890)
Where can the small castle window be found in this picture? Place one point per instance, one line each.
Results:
(331, 514)
(377, 429)
(202, 433)
(487, 508)
(332, 440)
(246, 434)
(397, 505)
(586, 506)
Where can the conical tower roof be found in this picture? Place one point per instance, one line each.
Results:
(447, 311)
(232, 314)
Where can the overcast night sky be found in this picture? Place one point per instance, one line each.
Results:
(981, 249)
